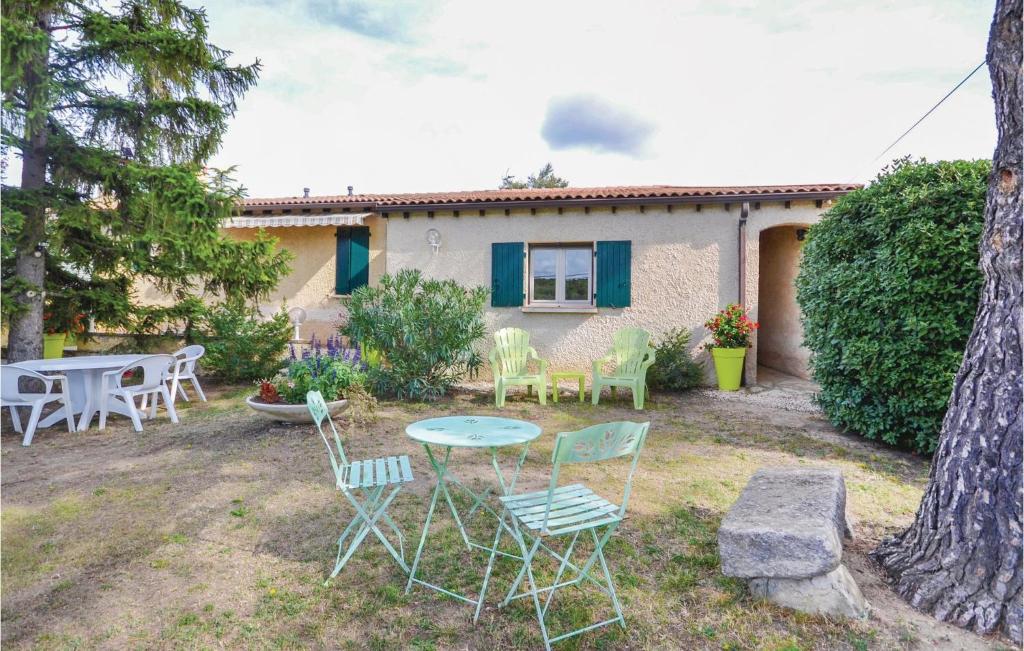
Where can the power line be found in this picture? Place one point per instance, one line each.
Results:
(930, 111)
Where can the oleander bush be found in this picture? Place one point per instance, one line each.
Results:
(888, 287)
(674, 368)
(424, 332)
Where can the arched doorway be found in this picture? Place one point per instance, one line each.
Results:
(780, 337)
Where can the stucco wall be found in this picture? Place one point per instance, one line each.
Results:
(780, 337)
(310, 285)
(684, 267)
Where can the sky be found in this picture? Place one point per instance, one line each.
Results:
(441, 95)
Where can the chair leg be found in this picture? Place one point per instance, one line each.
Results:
(33, 419)
(133, 413)
(15, 419)
(152, 407)
(167, 403)
(608, 578)
(542, 392)
(103, 411)
(638, 396)
(181, 390)
(499, 394)
(199, 389)
(595, 391)
(528, 560)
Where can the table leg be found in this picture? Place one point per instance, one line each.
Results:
(77, 390)
(430, 514)
(554, 391)
(505, 490)
(581, 388)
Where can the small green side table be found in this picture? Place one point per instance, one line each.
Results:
(566, 375)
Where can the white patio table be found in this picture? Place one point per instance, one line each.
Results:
(85, 376)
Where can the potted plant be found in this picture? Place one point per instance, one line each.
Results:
(730, 331)
(60, 324)
(331, 371)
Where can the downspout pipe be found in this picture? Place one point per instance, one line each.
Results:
(742, 254)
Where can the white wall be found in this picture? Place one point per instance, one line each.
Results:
(684, 266)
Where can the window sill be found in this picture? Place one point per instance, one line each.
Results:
(561, 309)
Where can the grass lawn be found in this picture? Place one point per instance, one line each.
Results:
(219, 532)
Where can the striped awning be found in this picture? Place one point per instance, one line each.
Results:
(285, 221)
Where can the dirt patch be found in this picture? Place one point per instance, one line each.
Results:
(219, 532)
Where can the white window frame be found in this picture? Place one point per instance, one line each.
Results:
(560, 300)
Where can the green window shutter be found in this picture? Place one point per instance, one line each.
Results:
(341, 261)
(506, 274)
(352, 259)
(614, 262)
(359, 258)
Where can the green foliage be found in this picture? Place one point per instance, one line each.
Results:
(424, 329)
(675, 368)
(731, 328)
(134, 100)
(545, 178)
(241, 345)
(888, 287)
(331, 376)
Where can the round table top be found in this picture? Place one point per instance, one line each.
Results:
(473, 431)
(80, 363)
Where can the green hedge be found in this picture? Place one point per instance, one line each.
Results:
(888, 287)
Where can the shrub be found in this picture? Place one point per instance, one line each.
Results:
(888, 287)
(424, 331)
(331, 371)
(731, 328)
(674, 368)
(240, 344)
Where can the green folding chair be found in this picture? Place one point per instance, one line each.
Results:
(574, 509)
(367, 480)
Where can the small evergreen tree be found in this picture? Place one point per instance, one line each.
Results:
(545, 178)
(113, 112)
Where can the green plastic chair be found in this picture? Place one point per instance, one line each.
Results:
(574, 509)
(632, 355)
(510, 359)
(362, 479)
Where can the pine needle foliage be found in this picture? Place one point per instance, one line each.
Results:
(114, 108)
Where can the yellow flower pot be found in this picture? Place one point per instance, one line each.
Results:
(729, 367)
(53, 345)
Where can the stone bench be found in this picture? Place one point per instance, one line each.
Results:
(785, 536)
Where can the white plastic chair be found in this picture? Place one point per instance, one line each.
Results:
(11, 396)
(185, 369)
(155, 371)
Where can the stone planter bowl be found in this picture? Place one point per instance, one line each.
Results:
(292, 413)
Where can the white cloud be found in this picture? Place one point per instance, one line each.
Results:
(394, 97)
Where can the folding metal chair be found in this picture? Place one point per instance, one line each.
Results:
(575, 509)
(363, 483)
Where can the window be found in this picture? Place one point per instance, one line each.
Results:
(561, 274)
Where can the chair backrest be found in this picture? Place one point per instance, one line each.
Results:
(630, 346)
(598, 443)
(318, 410)
(189, 355)
(155, 369)
(512, 345)
(11, 376)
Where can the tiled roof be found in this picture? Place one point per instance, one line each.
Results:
(628, 193)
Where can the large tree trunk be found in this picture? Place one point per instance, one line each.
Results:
(961, 558)
(25, 340)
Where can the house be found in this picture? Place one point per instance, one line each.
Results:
(570, 265)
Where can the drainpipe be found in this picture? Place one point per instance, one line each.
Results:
(742, 243)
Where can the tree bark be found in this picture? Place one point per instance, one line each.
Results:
(25, 340)
(961, 558)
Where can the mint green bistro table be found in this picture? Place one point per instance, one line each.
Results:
(579, 376)
(486, 432)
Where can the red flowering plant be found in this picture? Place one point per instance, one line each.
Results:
(731, 328)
